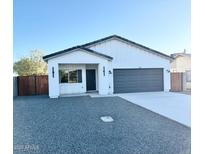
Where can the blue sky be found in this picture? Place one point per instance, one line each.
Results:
(53, 25)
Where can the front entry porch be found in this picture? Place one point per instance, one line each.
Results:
(78, 78)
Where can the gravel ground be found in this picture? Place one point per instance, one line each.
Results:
(73, 125)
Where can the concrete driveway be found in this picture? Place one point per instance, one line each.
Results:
(73, 125)
(175, 106)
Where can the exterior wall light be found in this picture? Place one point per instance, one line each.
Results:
(110, 72)
(168, 71)
(104, 70)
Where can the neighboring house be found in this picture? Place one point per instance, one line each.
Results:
(109, 65)
(182, 64)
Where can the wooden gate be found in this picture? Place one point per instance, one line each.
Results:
(32, 85)
(177, 81)
(41, 85)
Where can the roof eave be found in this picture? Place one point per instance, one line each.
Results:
(56, 54)
(130, 42)
(162, 55)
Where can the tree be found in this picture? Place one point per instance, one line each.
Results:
(32, 65)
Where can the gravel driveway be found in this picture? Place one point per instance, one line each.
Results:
(73, 125)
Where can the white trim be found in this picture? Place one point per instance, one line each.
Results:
(75, 50)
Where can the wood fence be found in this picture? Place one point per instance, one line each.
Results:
(32, 85)
(38, 85)
(176, 81)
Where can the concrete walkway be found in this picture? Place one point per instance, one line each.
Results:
(175, 106)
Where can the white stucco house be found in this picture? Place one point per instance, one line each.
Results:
(109, 65)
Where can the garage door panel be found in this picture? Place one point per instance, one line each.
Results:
(130, 83)
(138, 80)
(140, 89)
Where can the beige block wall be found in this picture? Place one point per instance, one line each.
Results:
(181, 64)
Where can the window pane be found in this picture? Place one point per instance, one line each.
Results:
(79, 76)
(72, 77)
(63, 76)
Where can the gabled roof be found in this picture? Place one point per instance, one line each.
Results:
(97, 53)
(85, 46)
(74, 48)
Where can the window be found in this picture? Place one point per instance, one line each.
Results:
(79, 76)
(66, 76)
(63, 76)
(72, 77)
(188, 76)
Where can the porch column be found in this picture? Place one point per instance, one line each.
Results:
(103, 79)
(53, 79)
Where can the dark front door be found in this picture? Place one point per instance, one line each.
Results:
(90, 80)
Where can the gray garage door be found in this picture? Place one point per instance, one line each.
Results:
(138, 80)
